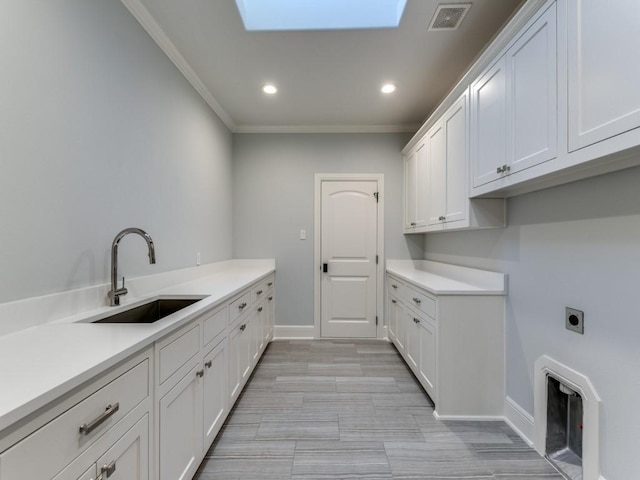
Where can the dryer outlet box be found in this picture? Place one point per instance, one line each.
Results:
(574, 320)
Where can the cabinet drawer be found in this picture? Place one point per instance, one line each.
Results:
(421, 302)
(49, 449)
(396, 288)
(239, 306)
(177, 350)
(214, 325)
(259, 292)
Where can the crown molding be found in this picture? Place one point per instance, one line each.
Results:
(140, 13)
(409, 128)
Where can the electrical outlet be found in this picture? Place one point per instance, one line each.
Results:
(198, 259)
(574, 320)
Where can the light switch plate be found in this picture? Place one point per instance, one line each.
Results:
(574, 320)
(303, 234)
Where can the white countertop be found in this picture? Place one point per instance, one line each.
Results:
(40, 363)
(444, 279)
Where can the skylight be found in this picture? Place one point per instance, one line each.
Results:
(264, 15)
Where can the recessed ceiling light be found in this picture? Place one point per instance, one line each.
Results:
(269, 89)
(388, 88)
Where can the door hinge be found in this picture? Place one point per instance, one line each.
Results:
(377, 194)
(376, 320)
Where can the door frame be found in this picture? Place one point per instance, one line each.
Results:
(317, 261)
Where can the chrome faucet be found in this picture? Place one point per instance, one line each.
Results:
(115, 292)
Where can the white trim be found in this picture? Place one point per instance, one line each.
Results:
(156, 32)
(519, 420)
(469, 418)
(404, 128)
(317, 195)
(291, 332)
(591, 403)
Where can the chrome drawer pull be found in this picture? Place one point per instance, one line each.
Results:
(259, 309)
(270, 298)
(200, 373)
(269, 284)
(243, 326)
(242, 305)
(417, 300)
(208, 364)
(108, 469)
(87, 428)
(393, 301)
(259, 292)
(394, 286)
(416, 320)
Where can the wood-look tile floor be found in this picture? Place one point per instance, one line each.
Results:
(345, 409)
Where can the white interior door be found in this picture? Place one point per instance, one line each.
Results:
(348, 250)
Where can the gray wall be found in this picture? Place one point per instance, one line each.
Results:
(98, 132)
(577, 245)
(273, 185)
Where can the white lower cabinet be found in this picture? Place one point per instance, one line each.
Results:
(454, 345)
(86, 427)
(412, 345)
(128, 459)
(427, 361)
(154, 415)
(181, 426)
(239, 356)
(215, 390)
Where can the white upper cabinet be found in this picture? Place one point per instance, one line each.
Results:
(488, 124)
(603, 70)
(448, 160)
(532, 101)
(415, 178)
(514, 106)
(437, 161)
(448, 204)
(552, 100)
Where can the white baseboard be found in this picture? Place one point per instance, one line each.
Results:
(519, 420)
(290, 332)
(469, 418)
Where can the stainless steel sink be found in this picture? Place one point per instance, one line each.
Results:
(150, 312)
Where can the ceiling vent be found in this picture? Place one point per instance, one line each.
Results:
(449, 16)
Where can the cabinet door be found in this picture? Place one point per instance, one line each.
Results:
(257, 337)
(416, 187)
(604, 98)
(215, 396)
(437, 164)
(412, 348)
(181, 433)
(128, 459)
(427, 362)
(531, 79)
(488, 124)
(268, 335)
(457, 147)
(392, 318)
(239, 358)
(401, 326)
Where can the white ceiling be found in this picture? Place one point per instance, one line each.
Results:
(327, 80)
